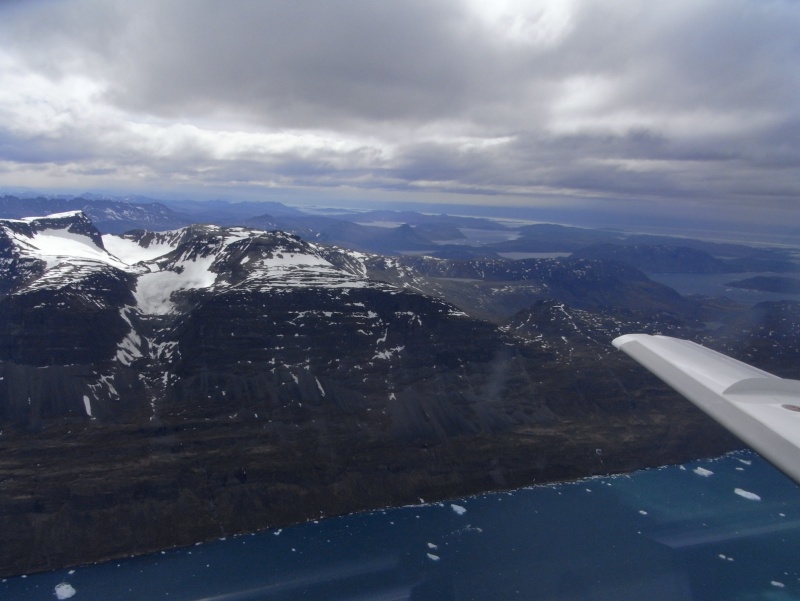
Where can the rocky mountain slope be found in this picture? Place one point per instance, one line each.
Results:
(160, 388)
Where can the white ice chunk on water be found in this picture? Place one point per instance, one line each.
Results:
(64, 591)
(432, 546)
(747, 494)
(459, 509)
(433, 557)
(777, 584)
(701, 471)
(643, 512)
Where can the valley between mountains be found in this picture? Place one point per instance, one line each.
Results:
(163, 388)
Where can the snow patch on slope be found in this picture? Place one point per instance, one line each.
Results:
(56, 246)
(154, 290)
(131, 252)
(130, 346)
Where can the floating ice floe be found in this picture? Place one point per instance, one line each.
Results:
(64, 591)
(433, 557)
(459, 509)
(701, 471)
(747, 494)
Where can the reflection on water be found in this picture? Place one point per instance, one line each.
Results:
(680, 532)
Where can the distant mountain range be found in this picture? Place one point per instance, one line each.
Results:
(158, 388)
(402, 232)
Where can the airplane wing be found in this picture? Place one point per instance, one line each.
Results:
(758, 407)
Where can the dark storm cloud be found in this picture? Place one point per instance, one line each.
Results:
(688, 98)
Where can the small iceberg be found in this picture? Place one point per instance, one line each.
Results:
(747, 494)
(458, 509)
(64, 591)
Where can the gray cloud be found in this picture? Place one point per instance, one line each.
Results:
(694, 99)
(291, 64)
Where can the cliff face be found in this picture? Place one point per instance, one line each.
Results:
(163, 388)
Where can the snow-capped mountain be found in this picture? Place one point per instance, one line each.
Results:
(140, 298)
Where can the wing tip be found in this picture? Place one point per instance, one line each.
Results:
(625, 339)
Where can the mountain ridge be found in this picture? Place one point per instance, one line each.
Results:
(237, 379)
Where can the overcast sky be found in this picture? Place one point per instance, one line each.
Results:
(678, 103)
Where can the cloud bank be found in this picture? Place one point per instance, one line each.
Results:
(695, 102)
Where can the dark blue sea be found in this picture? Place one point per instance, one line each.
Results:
(726, 529)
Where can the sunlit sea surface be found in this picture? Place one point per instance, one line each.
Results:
(727, 528)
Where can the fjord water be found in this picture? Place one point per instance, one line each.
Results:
(727, 528)
(715, 284)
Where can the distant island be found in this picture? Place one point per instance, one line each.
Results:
(765, 283)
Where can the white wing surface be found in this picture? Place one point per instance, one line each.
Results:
(760, 408)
